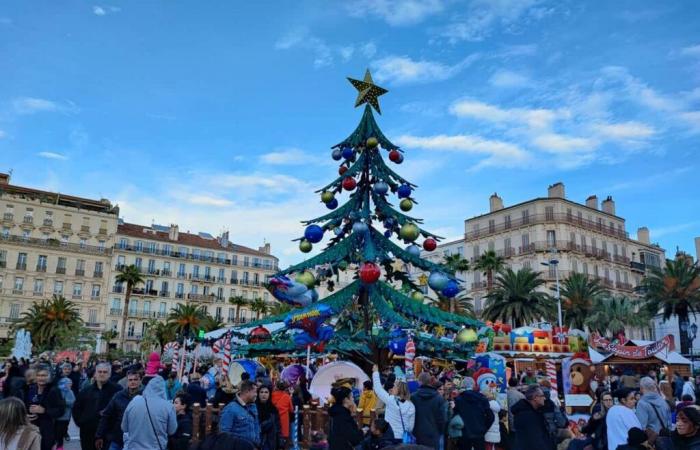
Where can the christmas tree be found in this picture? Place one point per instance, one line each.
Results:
(372, 314)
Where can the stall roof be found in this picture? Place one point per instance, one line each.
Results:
(216, 334)
(667, 357)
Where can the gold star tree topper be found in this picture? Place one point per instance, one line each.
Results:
(368, 92)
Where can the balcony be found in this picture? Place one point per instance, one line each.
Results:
(85, 229)
(209, 298)
(119, 267)
(638, 267)
(546, 218)
(8, 217)
(54, 243)
(79, 272)
(21, 266)
(133, 337)
(164, 294)
(179, 295)
(115, 311)
(77, 297)
(47, 223)
(17, 291)
(118, 289)
(38, 293)
(181, 275)
(29, 220)
(162, 315)
(93, 325)
(144, 292)
(234, 280)
(41, 268)
(204, 278)
(479, 285)
(152, 271)
(623, 286)
(61, 270)
(166, 273)
(621, 259)
(97, 274)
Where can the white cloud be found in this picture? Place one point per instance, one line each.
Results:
(53, 155)
(625, 130)
(205, 200)
(513, 51)
(272, 183)
(346, 52)
(290, 156)
(536, 118)
(498, 153)
(2, 134)
(104, 10)
(369, 49)
(672, 229)
(323, 53)
(509, 79)
(559, 143)
(396, 12)
(693, 51)
(404, 70)
(31, 105)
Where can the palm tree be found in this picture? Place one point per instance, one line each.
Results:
(610, 315)
(158, 333)
(674, 291)
(131, 275)
(578, 295)
(515, 298)
(490, 263)
(238, 301)
(259, 307)
(186, 317)
(461, 305)
(457, 264)
(279, 308)
(211, 323)
(49, 320)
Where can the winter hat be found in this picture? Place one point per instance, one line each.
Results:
(636, 436)
(153, 364)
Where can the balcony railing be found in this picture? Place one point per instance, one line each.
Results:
(115, 311)
(18, 291)
(97, 274)
(181, 275)
(166, 273)
(47, 223)
(623, 286)
(201, 297)
(143, 291)
(79, 272)
(54, 243)
(28, 220)
(77, 297)
(162, 314)
(93, 325)
(9, 217)
(61, 270)
(38, 293)
(84, 228)
(546, 218)
(41, 268)
(164, 294)
(179, 295)
(21, 266)
(638, 267)
(118, 289)
(478, 285)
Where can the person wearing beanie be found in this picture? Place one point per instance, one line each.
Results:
(636, 440)
(153, 366)
(344, 432)
(686, 436)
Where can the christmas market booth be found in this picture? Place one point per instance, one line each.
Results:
(636, 357)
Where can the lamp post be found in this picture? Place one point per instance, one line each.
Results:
(553, 261)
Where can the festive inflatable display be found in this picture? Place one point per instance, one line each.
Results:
(499, 337)
(330, 374)
(290, 291)
(310, 320)
(241, 366)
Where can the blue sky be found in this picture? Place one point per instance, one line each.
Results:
(221, 116)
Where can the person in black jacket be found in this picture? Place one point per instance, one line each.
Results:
(183, 411)
(196, 391)
(45, 405)
(109, 430)
(90, 403)
(344, 431)
(380, 435)
(476, 414)
(269, 419)
(530, 424)
(431, 413)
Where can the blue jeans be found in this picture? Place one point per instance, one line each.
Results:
(114, 446)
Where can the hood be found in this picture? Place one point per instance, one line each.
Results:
(155, 388)
(426, 393)
(369, 394)
(655, 399)
(522, 406)
(153, 364)
(470, 396)
(338, 410)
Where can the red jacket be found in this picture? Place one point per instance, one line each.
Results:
(283, 402)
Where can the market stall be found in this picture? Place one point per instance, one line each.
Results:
(636, 356)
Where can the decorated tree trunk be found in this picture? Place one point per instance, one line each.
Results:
(377, 311)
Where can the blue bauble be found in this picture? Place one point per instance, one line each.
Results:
(451, 289)
(359, 227)
(380, 188)
(332, 204)
(437, 281)
(404, 191)
(348, 152)
(398, 346)
(313, 233)
(336, 154)
(399, 160)
(413, 249)
(387, 234)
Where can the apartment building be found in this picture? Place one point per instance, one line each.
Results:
(588, 238)
(52, 243)
(184, 267)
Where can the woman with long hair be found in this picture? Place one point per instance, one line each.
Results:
(687, 433)
(183, 412)
(596, 427)
(269, 419)
(399, 411)
(16, 433)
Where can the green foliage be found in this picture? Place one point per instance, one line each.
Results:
(131, 276)
(186, 318)
(610, 315)
(673, 290)
(157, 334)
(211, 323)
(489, 263)
(515, 298)
(51, 322)
(579, 294)
(238, 302)
(456, 263)
(259, 307)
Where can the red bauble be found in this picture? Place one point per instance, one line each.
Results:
(369, 272)
(342, 169)
(429, 244)
(258, 335)
(349, 184)
(394, 155)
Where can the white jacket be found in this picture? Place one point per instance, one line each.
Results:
(493, 435)
(688, 389)
(394, 410)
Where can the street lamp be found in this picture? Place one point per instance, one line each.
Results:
(554, 262)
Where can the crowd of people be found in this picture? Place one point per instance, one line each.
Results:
(144, 406)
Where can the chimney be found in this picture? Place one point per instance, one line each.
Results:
(592, 202)
(643, 235)
(608, 205)
(697, 250)
(556, 190)
(265, 248)
(495, 203)
(4, 178)
(223, 239)
(174, 232)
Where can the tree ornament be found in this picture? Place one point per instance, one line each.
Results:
(367, 91)
(409, 232)
(359, 227)
(406, 205)
(342, 169)
(305, 246)
(414, 250)
(348, 152)
(380, 187)
(372, 142)
(259, 335)
(429, 244)
(466, 336)
(399, 160)
(404, 191)
(394, 155)
(369, 272)
(388, 233)
(354, 215)
(332, 204)
(313, 233)
(417, 296)
(306, 278)
(437, 281)
(327, 196)
(337, 154)
(451, 289)
(349, 184)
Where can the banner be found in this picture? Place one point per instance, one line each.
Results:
(631, 351)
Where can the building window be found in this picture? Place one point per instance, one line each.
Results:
(133, 306)
(58, 287)
(569, 216)
(1, 278)
(114, 325)
(116, 304)
(83, 243)
(475, 251)
(80, 265)
(41, 263)
(491, 246)
(151, 247)
(26, 234)
(95, 291)
(194, 289)
(22, 261)
(38, 286)
(92, 316)
(492, 226)
(163, 287)
(625, 277)
(231, 314)
(549, 213)
(595, 271)
(572, 238)
(64, 239)
(607, 273)
(585, 268)
(77, 289)
(525, 241)
(123, 243)
(14, 311)
(149, 286)
(167, 249)
(166, 268)
(507, 250)
(234, 260)
(5, 232)
(101, 245)
(617, 276)
(98, 267)
(180, 289)
(506, 221)
(526, 216)
(551, 238)
(19, 284)
(222, 276)
(130, 329)
(574, 265)
(121, 261)
(139, 246)
(207, 272)
(151, 266)
(181, 271)
(552, 270)
(162, 309)
(138, 263)
(195, 271)
(147, 307)
(182, 251)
